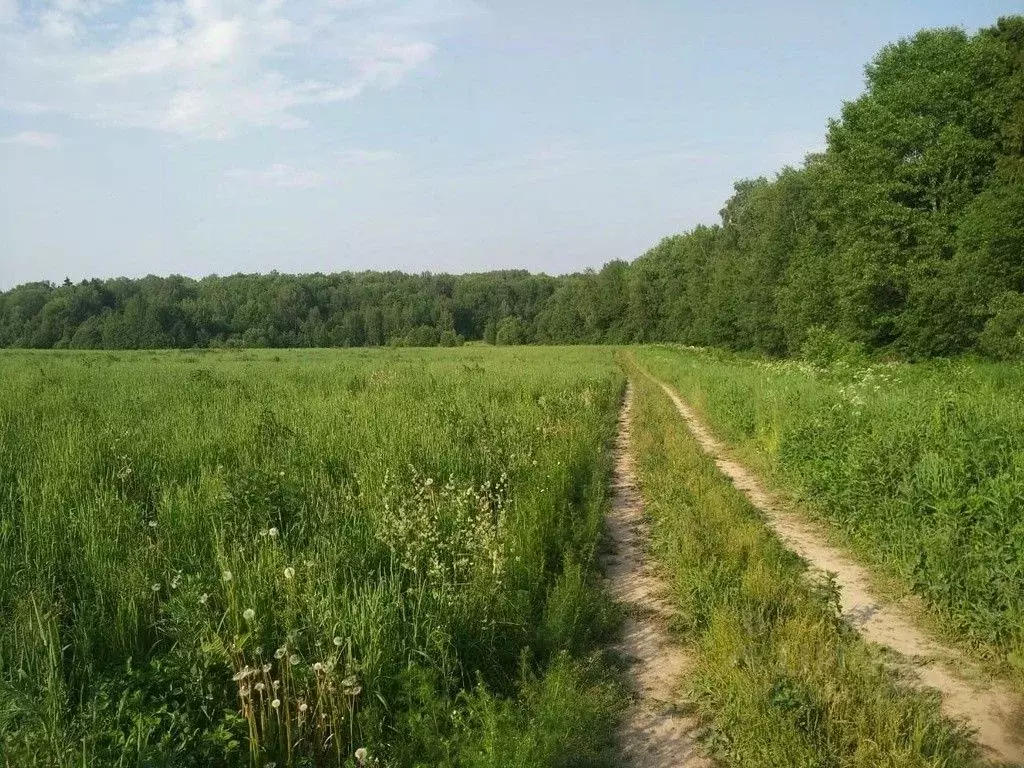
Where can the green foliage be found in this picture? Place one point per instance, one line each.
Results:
(825, 348)
(779, 677)
(509, 332)
(918, 466)
(899, 237)
(374, 540)
(1003, 336)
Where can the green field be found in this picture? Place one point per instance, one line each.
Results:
(920, 468)
(282, 557)
(208, 557)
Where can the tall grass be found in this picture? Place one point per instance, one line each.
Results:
(779, 677)
(920, 467)
(256, 558)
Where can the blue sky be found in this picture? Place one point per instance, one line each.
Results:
(218, 136)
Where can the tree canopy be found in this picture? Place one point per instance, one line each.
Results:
(906, 236)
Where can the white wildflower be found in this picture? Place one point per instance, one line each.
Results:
(289, 572)
(249, 614)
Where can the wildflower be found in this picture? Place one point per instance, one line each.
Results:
(303, 707)
(294, 659)
(203, 598)
(276, 684)
(318, 667)
(361, 754)
(275, 703)
(272, 533)
(350, 686)
(289, 572)
(155, 587)
(249, 614)
(261, 687)
(338, 641)
(227, 576)
(152, 523)
(266, 668)
(280, 652)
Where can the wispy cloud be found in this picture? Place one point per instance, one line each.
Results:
(206, 68)
(34, 139)
(279, 175)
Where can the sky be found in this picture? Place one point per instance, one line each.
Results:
(204, 137)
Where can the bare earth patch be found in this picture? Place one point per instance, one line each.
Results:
(654, 732)
(991, 708)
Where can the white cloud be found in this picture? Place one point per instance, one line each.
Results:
(279, 175)
(33, 139)
(206, 68)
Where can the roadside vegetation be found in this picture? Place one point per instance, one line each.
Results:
(780, 678)
(304, 559)
(919, 467)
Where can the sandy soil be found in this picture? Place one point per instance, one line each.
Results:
(655, 733)
(989, 707)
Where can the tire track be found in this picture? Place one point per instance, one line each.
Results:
(654, 732)
(993, 710)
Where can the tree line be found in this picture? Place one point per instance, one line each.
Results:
(905, 236)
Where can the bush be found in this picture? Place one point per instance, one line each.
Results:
(1003, 336)
(509, 332)
(825, 347)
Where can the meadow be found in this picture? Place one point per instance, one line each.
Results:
(778, 677)
(390, 557)
(917, 467)
(306, 557)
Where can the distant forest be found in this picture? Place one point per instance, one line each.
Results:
(905, 237)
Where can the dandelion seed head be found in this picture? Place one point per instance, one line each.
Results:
(275, 703)
(361, 754)
(294, 659)
(155, 587)
(303, 707)
(227, 576)
(338, 641)
(249, 614)
(289, 572)
(261, 687)
(272, 533)
(280, 652)
(203, 598)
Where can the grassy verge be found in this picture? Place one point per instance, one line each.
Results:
(918, 468)
(255, 558)
(780, 677)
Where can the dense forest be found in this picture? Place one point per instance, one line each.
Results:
(905, 236)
